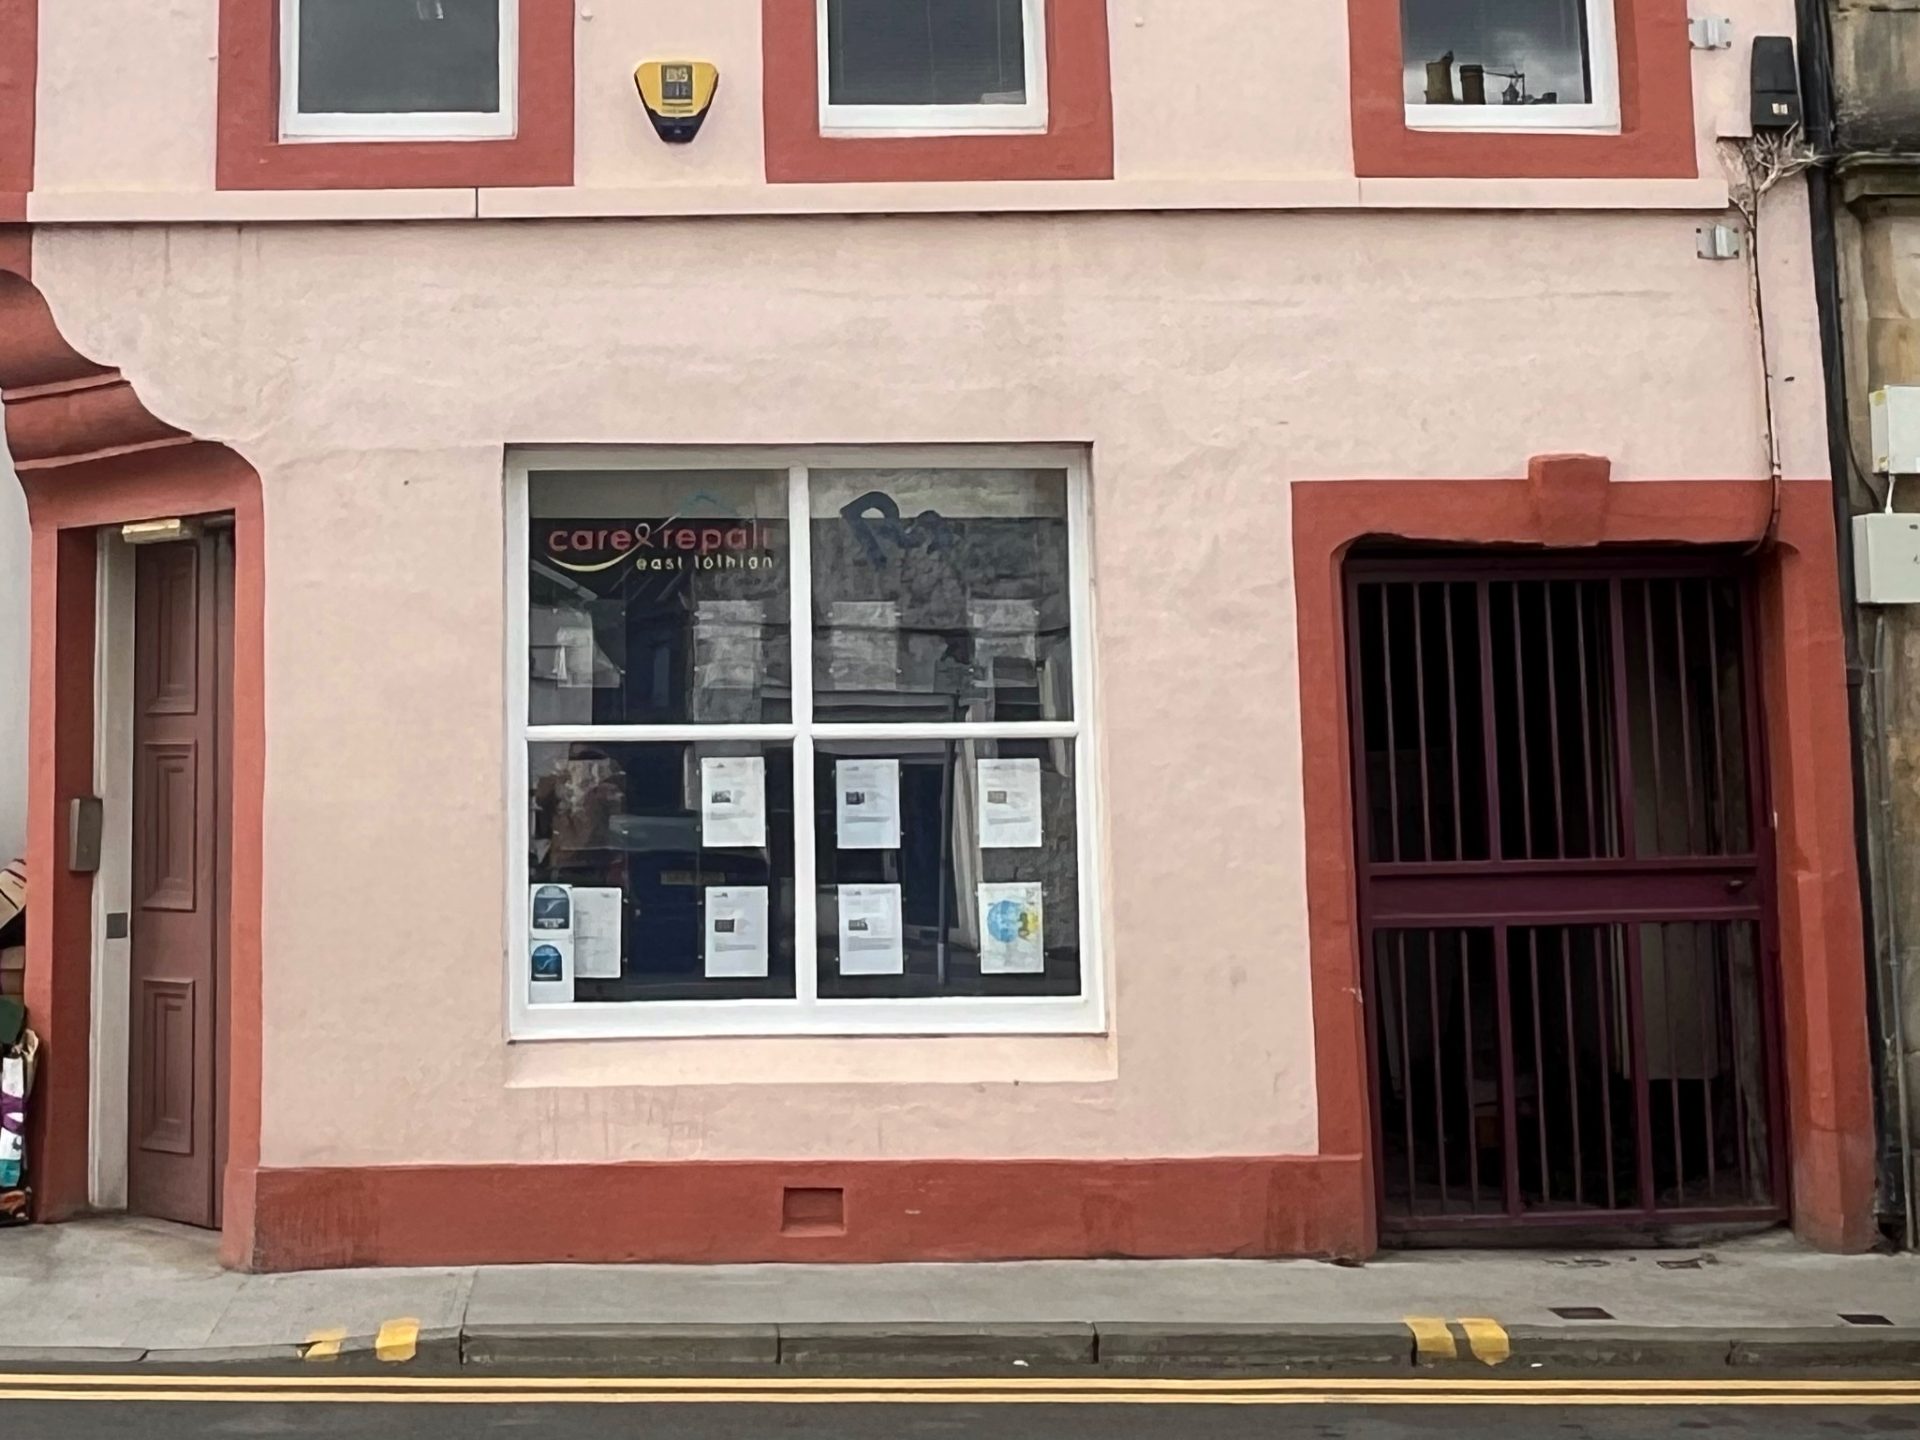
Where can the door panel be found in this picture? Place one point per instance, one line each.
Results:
(174, 1100)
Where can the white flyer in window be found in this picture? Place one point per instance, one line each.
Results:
(733, 801)
(597, 921)
(866, 798)
(550, 969)
(870, 930)
(736, 926)
(1009, 804)
(1010, 929)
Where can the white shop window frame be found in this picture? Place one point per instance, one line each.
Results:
(808, 1013)
(298, 125)
(1601, 115)
(900, 121)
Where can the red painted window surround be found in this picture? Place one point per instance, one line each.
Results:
(1077, 144)
(19, 62)
(251, 155)
(1655, 141)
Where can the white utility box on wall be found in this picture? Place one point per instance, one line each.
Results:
(1886, 559)
(1896, 430)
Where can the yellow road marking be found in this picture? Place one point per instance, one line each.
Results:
(1432, 1337)
(323, 1345)
(1488, 1340)
(397, 1341)
(1041, 1385)
(1397, 1397)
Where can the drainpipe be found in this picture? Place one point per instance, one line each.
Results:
(1816, 92)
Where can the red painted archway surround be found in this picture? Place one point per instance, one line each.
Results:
(1569, 500)
(89, 454)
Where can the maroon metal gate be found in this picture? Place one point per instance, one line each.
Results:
(1565, 892)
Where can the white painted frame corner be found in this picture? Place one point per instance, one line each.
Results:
(1601, 115)
(902, 121)
(297, 126)
(806, 1013)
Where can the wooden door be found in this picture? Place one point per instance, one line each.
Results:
(182, 634)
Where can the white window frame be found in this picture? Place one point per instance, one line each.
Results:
(904, 120)
(1601, 114)
(298, 125)
(808, 1013)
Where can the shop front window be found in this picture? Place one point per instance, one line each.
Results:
(803, 747)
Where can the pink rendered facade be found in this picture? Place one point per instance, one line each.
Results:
(1232, 315)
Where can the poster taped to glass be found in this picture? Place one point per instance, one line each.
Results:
(733, 801)
(736, 930)
(1011, 934)
(866, 797)
(1009, 804)
(870, 930)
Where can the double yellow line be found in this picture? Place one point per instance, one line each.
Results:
(342, 1389)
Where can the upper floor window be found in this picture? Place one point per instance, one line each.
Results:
(1510, 64)
(397, 69)
(932, 66)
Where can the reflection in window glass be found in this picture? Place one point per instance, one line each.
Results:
(950, 909)
(926, 52)
(657, 597)
(399, 57)
(1497, 52)
(637, 820)
(941, 595)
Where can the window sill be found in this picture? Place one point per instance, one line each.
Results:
(811, 1060)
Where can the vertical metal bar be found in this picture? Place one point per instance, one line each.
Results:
(1539, 1070)
(1673, 1062)
(1520, 725)
(1603, 988)
(1393, 748)
(1589, 762)
(1489, 726)
(1622, 746)
(1642, 1091)
(1406, 1075)
(1453, 726)
(1573, 1063)
(1712, 934)
(1653, 712)
(1509, 1116)
(1420, 715)
(1679, 588)
(1439, 1083)
(1553, 729)
(1740, 1116)
(1473, 1116)
(1721, 842)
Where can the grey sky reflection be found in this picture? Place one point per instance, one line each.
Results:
(1544, 38)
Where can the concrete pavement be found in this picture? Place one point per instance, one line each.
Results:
(126, 1291)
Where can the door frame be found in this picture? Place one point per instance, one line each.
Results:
(1570, 501)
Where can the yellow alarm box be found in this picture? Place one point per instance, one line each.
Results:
(677, 94)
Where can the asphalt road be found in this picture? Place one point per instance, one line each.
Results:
(348, 1408)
